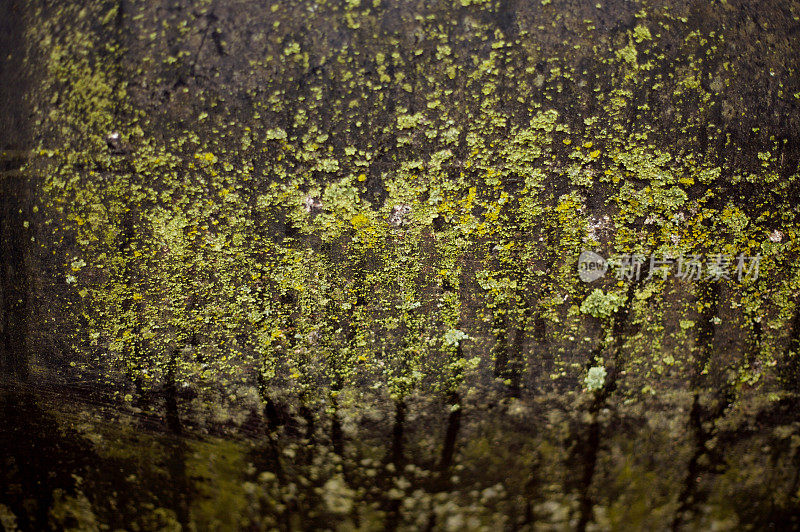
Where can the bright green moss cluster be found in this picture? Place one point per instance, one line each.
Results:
(601, 305)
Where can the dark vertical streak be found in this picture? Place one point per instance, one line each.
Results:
(397, 460)
(13, 272)
(451, 434)
(14, 193)
(705, 335)
(690, 496)
(176, 460)
(501, 343)
(589, 454)
(397, 433)
(337, 436)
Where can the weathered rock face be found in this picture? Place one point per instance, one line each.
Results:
(350, 231)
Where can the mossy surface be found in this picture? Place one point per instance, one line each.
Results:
(348, 233)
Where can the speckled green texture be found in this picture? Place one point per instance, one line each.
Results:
(370, 203)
